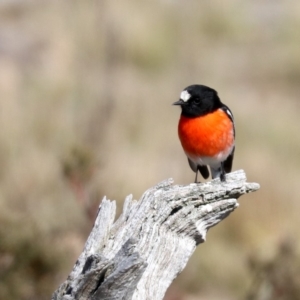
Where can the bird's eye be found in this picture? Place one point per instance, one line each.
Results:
(197, 100)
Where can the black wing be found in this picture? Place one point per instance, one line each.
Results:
(228, 112)
(228, 162)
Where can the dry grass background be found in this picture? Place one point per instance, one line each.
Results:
(85, 100)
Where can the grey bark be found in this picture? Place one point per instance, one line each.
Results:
(138, 256)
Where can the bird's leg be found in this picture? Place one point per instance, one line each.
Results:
(223, 173)
(196, 176)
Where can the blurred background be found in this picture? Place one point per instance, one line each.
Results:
(86, 89)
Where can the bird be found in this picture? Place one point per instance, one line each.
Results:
(206, 131)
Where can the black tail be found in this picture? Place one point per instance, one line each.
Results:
(204, 171)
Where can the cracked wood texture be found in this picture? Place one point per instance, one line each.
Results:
(138, 256)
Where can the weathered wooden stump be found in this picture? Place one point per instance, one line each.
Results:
(139, 255)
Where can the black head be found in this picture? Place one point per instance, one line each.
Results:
(197, 100)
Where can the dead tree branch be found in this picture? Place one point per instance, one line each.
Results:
(139, 255)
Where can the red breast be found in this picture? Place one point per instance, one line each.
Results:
(206, 135)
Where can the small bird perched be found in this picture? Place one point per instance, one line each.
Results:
(206, 131)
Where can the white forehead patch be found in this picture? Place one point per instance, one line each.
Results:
(185, 96)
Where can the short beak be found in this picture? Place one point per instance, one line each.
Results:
(179, 102)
